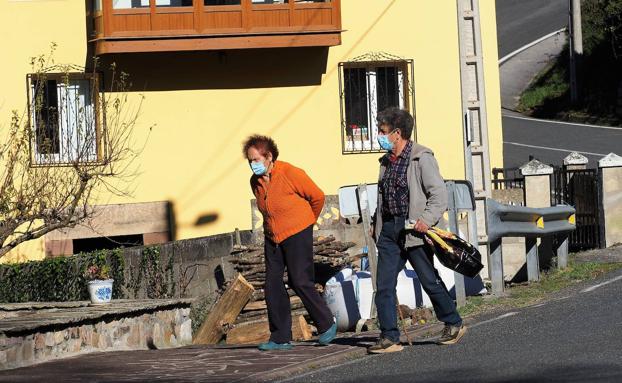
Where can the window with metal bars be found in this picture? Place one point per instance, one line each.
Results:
(63, 110)
(366, 88)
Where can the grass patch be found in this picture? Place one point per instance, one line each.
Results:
(527, 294)
(551, 84)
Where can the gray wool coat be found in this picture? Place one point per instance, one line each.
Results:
(427, 192)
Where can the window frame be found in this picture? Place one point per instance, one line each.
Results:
(97, 102)
(407, 90)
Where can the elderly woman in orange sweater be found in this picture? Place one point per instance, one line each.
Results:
(290, 203)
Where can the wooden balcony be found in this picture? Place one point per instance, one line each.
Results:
(198, 26)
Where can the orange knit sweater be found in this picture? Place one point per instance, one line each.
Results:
(290, 202)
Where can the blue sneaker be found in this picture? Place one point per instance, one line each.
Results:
(328, 336)
(272, 346)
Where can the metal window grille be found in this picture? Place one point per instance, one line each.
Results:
(64, 118)
(368, 85)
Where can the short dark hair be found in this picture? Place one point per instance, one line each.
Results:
(263, 144)
(397, 118)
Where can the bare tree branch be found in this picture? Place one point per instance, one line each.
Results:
(57, 158)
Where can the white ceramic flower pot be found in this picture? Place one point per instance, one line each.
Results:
(100, 291)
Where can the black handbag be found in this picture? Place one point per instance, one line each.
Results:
(454, 252)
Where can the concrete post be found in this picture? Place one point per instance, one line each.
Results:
(537, 194)
(575, 161)
(611, 171)
(537, 183)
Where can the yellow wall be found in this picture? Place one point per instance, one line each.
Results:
(193, 156)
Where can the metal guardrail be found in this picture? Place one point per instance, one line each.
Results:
(531, 223)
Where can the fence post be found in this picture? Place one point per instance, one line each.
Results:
(537, 194)
(611, 178)
(575, 161)
(537, 183)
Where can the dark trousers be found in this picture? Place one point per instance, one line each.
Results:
(391, 260)
(296, 252)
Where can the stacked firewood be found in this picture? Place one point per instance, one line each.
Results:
(241, 313)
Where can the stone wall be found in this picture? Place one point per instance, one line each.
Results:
(38, 335)
(199, 265)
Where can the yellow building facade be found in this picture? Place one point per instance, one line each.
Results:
(200, 105)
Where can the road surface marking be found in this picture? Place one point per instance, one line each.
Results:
(563, 123)
(506, 315)
(601, 284)
(531, 44)
(554, 149)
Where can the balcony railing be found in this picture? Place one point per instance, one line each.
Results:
(122, 26)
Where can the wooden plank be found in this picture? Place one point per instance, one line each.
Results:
(218, 43)
(259, 331)
(224, 312)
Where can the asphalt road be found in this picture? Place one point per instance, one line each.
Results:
(520, 22)
(576, 338)
(549, 142)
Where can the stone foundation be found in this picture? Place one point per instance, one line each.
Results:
(37, 333)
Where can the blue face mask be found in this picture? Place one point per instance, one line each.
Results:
(383, 141)
(258, 168)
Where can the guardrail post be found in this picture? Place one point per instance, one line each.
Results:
(533, 263)
(562, 251)
(496, 267)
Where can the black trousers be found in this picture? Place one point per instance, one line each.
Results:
(296, 252)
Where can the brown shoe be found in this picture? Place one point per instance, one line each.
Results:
(383, 346)
(451, 334)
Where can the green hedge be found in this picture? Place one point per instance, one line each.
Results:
(62, 278)
(57, 279)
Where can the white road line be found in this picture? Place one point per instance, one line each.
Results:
(564, 123)
(601, 284)
(506, 315)
(525, 47)
(554, 149)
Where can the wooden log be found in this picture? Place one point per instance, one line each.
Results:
(323, 240)
(247, 315)
(260, 305)
(259, 331)
(224, 312)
